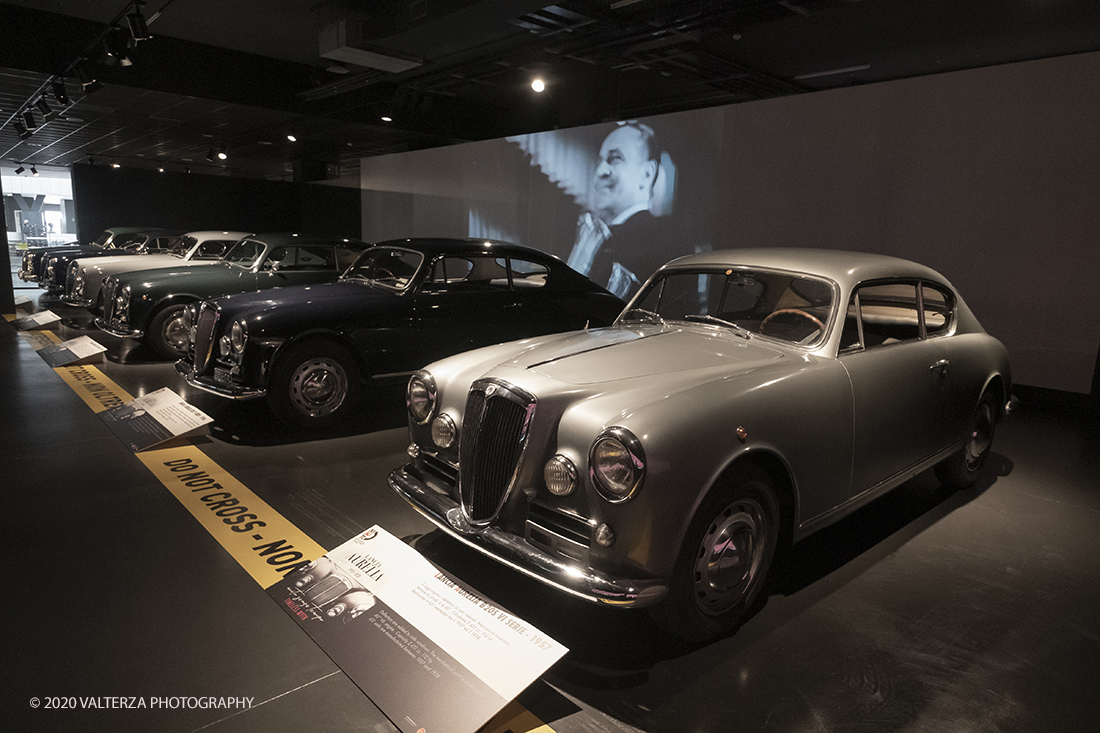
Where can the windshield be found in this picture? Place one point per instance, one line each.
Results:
(782, 305)
(128, 241)
(182, 246)
(245, 253)
(390, 267)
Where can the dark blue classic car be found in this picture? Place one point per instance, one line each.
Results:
(148, 304)
(404, 303)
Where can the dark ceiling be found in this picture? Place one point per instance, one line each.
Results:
(240, 75)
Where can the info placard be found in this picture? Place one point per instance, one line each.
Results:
(80, 350)
(154, 418)
(430, 653)
(42, 319)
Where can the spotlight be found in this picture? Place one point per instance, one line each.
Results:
(34, 171)
(291, 138)
(222, 155)
(115, 45)
(21, 129)
(210, 155)
(387, 119)
(116, 165)
(88, 77)
(29, 121)
(20, 169)
(59, 92)
(139, 30)
(538, 85)
(44, 107)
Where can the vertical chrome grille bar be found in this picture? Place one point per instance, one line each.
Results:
(494, 435)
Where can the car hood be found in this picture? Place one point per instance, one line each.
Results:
(332, 297)
(620, 353)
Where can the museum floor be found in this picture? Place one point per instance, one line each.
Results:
(924, 612)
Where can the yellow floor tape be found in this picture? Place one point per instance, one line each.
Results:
(265, 543)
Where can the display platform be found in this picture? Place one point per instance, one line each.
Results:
(925, 611)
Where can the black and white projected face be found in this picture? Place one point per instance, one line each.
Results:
(625, 174)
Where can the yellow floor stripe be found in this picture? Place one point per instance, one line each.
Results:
(266, 544)
(94, 387)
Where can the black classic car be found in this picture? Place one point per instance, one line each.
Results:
(404, 303)
(112, 241)
(149, 304)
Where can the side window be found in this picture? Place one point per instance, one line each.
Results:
(888, 314)
(315, 258)
(527, 274)
(212, 249)
(466, 274)
(938, 310)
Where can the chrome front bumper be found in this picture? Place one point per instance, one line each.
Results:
(206, 384)
(78, 302)
(107, 327)
(522, 557)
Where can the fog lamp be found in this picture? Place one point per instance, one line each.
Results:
(444, 431)
(605, 536)
(560, 475)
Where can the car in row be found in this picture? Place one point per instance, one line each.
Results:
(743, 400)
(84, 280)
(34, 259)
(311, 350)
(149, 304)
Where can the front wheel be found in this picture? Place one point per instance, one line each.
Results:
(726, 555)
(962, 468)
(314, 385)
(167, 335)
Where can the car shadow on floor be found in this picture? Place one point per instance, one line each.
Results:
(617, 648)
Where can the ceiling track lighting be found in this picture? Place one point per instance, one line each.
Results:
(139, 29)
(44, 107)
(21, 130)
(34, 171)
(28, 120)
(59, 92)
(20, 169)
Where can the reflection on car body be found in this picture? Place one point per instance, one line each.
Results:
(742, 400)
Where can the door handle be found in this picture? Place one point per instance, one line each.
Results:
(941, 367)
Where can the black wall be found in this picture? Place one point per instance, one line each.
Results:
(106, 197)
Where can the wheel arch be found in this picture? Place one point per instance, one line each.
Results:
(778, 473)
(317, 336)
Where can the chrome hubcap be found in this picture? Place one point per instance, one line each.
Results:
(981, 436)
(318, 387)
(175, 335)
(729, 557)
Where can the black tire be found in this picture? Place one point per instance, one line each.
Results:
(962, 468)
(725, 558)
(313, 385)
(166, 335)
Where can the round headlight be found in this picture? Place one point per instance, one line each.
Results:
(617, 464)
(560, 475)
(238, 335)
(444, 431)
(420, 396)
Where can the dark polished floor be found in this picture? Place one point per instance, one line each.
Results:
(924, 612)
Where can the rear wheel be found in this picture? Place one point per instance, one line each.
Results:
(314, 385)
(167, 335)
(725, 557)
(962, 468)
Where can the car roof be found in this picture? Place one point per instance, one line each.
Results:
(843, 267)
(287, 239)
(217, 234)
(432, 246)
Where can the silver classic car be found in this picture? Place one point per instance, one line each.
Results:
(743, 399)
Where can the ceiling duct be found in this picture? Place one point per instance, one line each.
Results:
(343, 37)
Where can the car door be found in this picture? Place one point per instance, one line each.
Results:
(902, 382)
(467, 301)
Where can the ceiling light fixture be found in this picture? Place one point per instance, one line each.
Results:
(21, 130)
(20, 169)
(139, 29)
(28, 120)
(222, 155)
(59, 91)
(34, 171)
(291, 138)
(210, 155)
(44, 107)
(538, 85)
(116, 165)
(387, 119)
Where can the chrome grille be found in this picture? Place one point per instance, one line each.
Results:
(206, 326)
(494, 434)
(110, 287)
